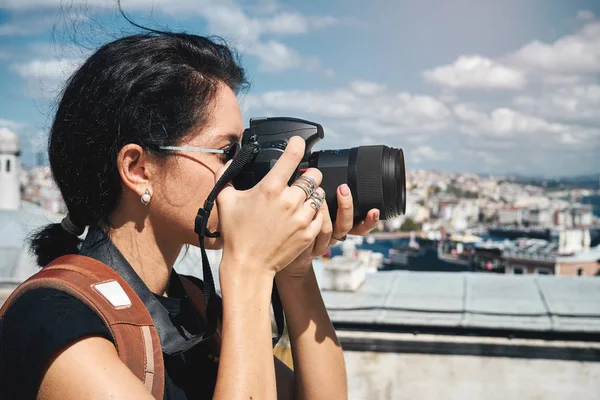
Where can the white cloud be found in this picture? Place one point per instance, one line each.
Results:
(579, 138)
(467, 113)
(37, 23)
(576, 104)
(507, 121)
(274, 56)
(585, 15)
(44, 78)
(11, 125)
(502, 122)
(576, 54)
(36, 5)
(231, 21)
(572, 59)
(522, 132)
(426, 153)
(476, 72)
(287, 23)
(226, 18)
(364, 107)
(366, 88)
(20, 28)
(552, 126)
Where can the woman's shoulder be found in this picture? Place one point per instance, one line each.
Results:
(34, 328)
(47, 309)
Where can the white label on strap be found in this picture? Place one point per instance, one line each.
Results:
(114, 293)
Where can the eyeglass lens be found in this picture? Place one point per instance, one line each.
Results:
(232, 151)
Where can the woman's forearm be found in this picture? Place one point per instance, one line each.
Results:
(246, 368)
(320, 372)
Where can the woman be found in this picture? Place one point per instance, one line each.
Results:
(128, 101)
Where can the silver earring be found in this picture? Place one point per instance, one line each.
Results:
(146, 197)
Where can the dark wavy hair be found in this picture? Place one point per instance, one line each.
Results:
(147, 89)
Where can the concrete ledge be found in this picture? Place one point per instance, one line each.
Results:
(385, 342)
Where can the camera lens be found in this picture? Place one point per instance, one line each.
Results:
(375, 175)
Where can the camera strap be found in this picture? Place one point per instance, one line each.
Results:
(213, 308)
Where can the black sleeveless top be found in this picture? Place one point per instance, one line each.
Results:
(43, 321)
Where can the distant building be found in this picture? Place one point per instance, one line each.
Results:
(572, 241)
(38, 187)
(563, 218)
(541, 217)
(10, 193)
(510, 216)
(532, 201)
(534, 256)
(583, 264)
(572, 255)
(17, 218)
(564, 252)
(574, 216)
(582, 216)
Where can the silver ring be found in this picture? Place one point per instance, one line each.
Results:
(304, 187)
(307, 184)
(340, 239)
(316, 200)
(319, 196)
(315, 203)
(310, 181)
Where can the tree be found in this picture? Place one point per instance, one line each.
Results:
(410, 225)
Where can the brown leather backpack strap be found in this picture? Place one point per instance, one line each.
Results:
(106, 293)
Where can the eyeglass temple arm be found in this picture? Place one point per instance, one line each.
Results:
(197, 149)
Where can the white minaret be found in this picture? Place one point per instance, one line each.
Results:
(10, 191)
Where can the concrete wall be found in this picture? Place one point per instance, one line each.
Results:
(431, 376)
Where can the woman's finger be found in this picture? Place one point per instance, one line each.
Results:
(366, 225)
(286, 165)
(345, 212)
(309, 210)
(314, 176)
(323, 240)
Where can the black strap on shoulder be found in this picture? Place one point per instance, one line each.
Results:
(245, 156)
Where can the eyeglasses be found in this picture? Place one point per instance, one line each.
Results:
(229, 152)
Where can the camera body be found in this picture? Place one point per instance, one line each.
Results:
(374, 174)
(273, 134)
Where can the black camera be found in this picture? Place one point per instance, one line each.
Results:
(375, 174)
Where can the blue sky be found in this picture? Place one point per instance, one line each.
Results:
(463, 86)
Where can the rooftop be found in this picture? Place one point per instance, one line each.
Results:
(533, 303)
(15, 225)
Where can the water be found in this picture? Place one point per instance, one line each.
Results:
(379, 246)
(383, 246)
(426, 259)
(595, 202)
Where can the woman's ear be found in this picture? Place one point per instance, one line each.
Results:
(135, 168)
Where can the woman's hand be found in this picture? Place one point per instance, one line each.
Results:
(268, 226)
(344, 224)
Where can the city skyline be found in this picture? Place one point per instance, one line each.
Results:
(494, 88)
